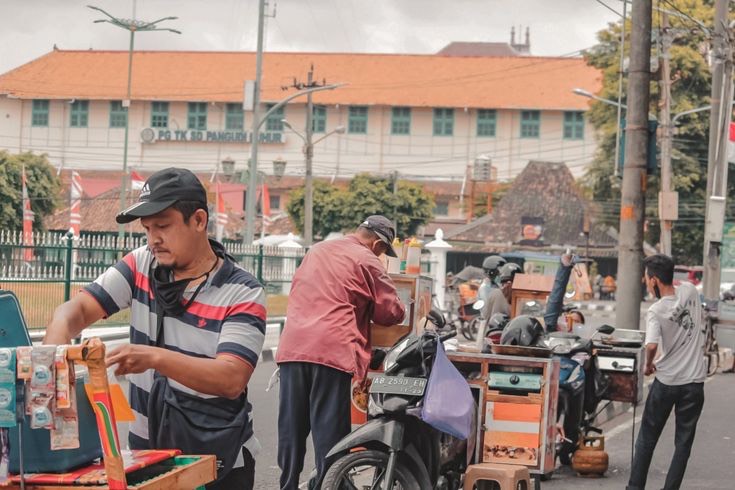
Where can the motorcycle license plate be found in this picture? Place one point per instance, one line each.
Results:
(398, 385)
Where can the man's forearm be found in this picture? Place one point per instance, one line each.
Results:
(211, 376)
(67, 323)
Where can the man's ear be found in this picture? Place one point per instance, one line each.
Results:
(200, 219)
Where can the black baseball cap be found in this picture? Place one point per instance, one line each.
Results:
(383, 227)
(162, 190)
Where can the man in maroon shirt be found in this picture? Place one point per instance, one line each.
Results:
(339, 288)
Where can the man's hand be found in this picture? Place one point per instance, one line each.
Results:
(650, 369)
(132, 358)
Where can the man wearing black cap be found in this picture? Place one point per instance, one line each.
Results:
(197, 326)
(339, 288)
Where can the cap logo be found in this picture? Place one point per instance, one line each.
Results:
(145, 191)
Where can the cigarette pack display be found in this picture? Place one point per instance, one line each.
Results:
(7, 387)
(63, 394)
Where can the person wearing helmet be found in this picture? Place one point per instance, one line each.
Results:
(491, 294)
(523, 331)
(505, 278)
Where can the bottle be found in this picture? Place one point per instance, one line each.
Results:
(413, 257)
(403, 254)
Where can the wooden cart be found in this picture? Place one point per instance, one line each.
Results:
(515, 427)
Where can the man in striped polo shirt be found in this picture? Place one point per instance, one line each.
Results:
(212, 330)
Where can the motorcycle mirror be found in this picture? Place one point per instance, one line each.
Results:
(377, 358)
(436, 317)
(606, 329)
(478, 305)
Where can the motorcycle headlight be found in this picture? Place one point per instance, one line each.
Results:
(396, 350)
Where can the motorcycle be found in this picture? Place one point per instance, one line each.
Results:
(581, 387)
(395, 448)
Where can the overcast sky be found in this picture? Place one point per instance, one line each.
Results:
(31, 27)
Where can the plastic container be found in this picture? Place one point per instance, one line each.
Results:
(413, 257)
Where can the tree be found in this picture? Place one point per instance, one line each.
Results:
(341, 210)
(690, 89)
(43, 189)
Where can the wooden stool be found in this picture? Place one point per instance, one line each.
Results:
(508, 476)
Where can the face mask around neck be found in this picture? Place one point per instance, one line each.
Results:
(169, 294)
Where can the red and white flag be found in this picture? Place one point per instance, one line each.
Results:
(731, 144)
(136, 181)
(265, 204)
(28, 217)
(75, 218)
(220, 214)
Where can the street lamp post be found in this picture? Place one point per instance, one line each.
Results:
(308, 184)
(132, 26)
(249, 225)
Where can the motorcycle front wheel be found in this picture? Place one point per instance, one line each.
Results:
(469, 328)
(366, 469)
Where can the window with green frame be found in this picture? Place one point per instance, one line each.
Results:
(574, 125)
(234, 117)
(357, 121)
(400, 120)
(118, 114)
(443, 122)
(39, 113)
(530, 124)
(486, 122)
(319, 119)
(197, 117)
(159, 114)
(79, 114)
(274, 121)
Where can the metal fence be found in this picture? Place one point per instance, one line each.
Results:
(53, 267)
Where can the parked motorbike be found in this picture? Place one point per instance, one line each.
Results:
(395, 448)
(469, 319)
(581, 387)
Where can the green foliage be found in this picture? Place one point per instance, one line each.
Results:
(690, 89)
(343, 209)
(43, 189)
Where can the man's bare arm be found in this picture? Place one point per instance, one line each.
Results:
(71, 318)
(651, 350)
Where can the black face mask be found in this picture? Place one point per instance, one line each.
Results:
(170, 294)
(656, 291)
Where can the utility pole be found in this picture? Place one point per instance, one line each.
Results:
(252, 187)
(720, 117)
(308, 155)
(667, 202)
(632, 201)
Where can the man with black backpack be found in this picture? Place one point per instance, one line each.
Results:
(197, 326)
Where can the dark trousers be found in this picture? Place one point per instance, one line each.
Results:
(242, 478)
(687, 401)
(313, 398)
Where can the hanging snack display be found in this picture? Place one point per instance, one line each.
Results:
(43, 387)
(7, 387)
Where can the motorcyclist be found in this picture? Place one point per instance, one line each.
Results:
(491, 294)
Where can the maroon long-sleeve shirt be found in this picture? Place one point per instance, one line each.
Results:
(339, 287)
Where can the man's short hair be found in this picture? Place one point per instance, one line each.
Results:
(188, 208)
(661, 267)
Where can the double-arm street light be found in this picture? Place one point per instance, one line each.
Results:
(133, 26)
(309, 184)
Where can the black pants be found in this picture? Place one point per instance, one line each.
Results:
(242, 478)
(687, 401)
(313, 398)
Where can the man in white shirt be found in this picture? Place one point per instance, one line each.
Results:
(675, 354)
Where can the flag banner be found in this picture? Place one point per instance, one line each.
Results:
(75, 216)
(28, 217)
(220, 215)
(136, 181)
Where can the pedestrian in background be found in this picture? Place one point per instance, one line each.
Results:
(339, 288)
(675, 354)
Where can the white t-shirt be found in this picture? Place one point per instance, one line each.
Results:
(676, 324)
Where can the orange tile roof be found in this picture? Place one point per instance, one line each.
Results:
(373, 79)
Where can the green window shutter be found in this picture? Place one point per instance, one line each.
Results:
(400, 120)
(530, 124)
(443, 122)
(573, 125)
(197, 117)
(118, 114)
(357, 120)
(79, 114)
(319, 119)
(273, 123)
(234, 117)
(39, 114)
(159, 114)
(486, 122)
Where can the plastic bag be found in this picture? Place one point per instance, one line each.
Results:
(448, 403)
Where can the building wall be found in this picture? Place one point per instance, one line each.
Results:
(420, 153)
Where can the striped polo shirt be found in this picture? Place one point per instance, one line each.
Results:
(226, 318)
